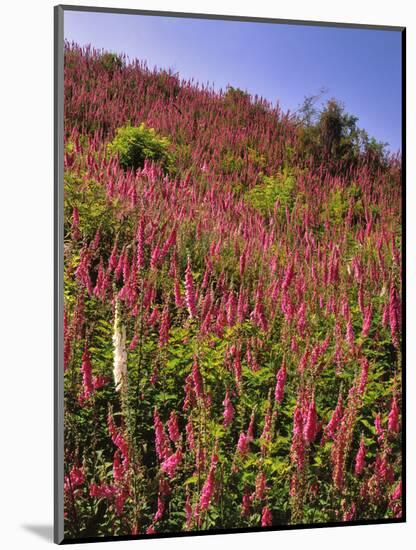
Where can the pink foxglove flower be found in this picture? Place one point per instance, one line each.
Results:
(134, 342)
(394, 316)
(360, 458)
(82, 273)
(96, 242)
(246, 503)
(228, 410)
(118, 440)
(208, 487)
(178, 293)
(350, 333)
(155, 256)
(298, 443)
(140, 244)
(100, 279)
(349, 514)
(393, 423)
(188, 512)
(368, 312)
(67, 342)
(163, 450)
(173, 427)
(266, 517)
(75, 479)
(260, 486)
(335, 420)
(258, 314)
(160, 509)
(171, 464)
(207, 491)
(280, 383)
(242, 445)
(288, 276)
(397, 493)
(118, 469)
(87, 374)
(99, 381)
(190, 435)
(311, 426)
(170, 241)
(102, 491)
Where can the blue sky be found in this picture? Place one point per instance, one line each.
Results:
(360, 67)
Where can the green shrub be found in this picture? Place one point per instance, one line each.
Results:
(111, 62)
(279, 188)
(337, 206)
(135, 144)
(339, 201)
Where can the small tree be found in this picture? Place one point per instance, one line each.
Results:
(331, 124)
(333, 134)
(308, 111)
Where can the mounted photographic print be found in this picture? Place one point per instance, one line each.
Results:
(228, 274)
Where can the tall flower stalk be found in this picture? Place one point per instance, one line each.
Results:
(119, 352)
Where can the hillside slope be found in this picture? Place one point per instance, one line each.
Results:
(232, 311)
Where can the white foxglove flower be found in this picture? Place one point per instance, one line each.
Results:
(120, 353)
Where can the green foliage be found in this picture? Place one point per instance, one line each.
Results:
(309, 142)
(331, 127)
(231, 163)
(111, 62)
(135, 144)
(279, 189)
(308, 111)
(332, 133)
(256, 158)
(338, 204)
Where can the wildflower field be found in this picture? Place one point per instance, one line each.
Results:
(232, 323)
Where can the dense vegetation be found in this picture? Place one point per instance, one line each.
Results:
(232, 308)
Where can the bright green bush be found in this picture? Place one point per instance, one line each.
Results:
(337, 206)
(339, 201)
(273, 189)
(135, 144)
